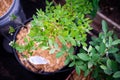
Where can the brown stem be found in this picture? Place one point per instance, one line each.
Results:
(109, 20)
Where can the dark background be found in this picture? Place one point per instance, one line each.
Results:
(10, 69)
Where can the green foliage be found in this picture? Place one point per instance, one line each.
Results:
(85, 6)
(81, 6)
(11, 30)
(13, 17)
(67, 23)
(108, 51)
(101, 56)
(95, 5)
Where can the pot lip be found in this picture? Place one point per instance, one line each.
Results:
(64, 69)
(9, 9)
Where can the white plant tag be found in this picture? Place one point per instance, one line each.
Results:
(38, 60)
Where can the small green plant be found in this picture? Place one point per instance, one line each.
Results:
(67, 23)
(62, 22)
(85, 6)
(101, 57)
(95, 5)
(57, 22)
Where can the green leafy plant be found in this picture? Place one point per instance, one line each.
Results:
(68, 24)
(108, 49)
(95, 5)
(101, 57)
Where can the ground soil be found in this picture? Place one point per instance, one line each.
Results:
(111, 8)
(4, 6)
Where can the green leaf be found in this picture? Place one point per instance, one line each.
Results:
(11, 29)
(90, 64)
(93, 51)
(59, 54)
(45, 47)
(117, 57)
(110, 33)
(90, 48)
(103, 67)
(72, 56)
(50, 42)
(67, 60)
(13, 17)
(116, 42)
(102, 48)
(71, 50)
(86, 73)
(104, 26)
(97, 47)
(78, 43)
(116, 74)
(56, 45)
(52, 51)
(112, 65)
(62, 40)
(83, 67)
(77, 70)
(113, 50)
(109, 63)
(108, 71)
(72, 41)
(101, 36)
(83, 56)
(72, 64)
(64, 48)
(110, 41)
(95, 57)
(85, 48)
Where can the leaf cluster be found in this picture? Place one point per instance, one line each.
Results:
(101, 57)
(69, 24)
(66, 23)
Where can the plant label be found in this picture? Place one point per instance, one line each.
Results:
(37, 60)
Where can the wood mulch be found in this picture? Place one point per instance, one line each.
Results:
(4, 6)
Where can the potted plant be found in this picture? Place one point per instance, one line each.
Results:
(100, 60)
(46, 44)
(8, 10)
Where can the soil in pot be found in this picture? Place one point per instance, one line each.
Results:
(52, 63)
(4, 6)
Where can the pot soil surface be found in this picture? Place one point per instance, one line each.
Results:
(4, 6)
(53, 62)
